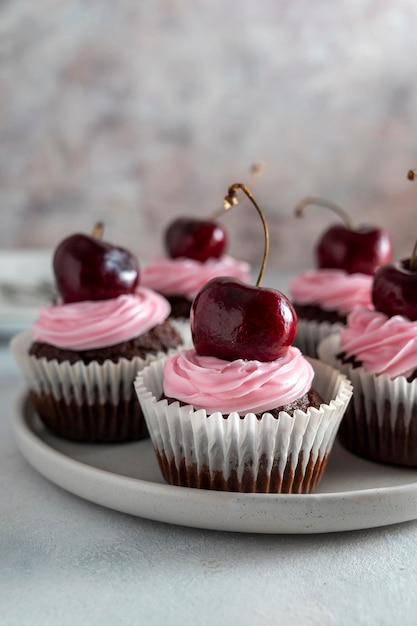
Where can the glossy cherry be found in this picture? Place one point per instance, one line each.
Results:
(195, 239)
(87, 268)
(354, 249)
(361, 251)
(232, 320)
(200, 239)
(394, 289)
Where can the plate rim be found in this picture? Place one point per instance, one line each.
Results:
(53, 465)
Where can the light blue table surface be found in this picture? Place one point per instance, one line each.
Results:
(65, 561)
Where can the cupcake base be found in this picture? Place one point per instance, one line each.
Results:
(98, 423)
(287, 454)
(93, 402)
(375, 437)
(380, 424)
(289, 480)
(161, 338)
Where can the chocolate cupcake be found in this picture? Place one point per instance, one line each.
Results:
(378, 355)
(240, 411)
(346, 259)
(279, 446)
(81, 355)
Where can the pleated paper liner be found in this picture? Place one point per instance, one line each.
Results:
(381, 422)
(268, 455)
(92, 403)
(310, 333)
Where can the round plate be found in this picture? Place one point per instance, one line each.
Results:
(353, 493)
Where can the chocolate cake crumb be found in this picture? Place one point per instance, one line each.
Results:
(161, 338)
(317, 314)
(348, 360)
(180, 306)
(310, 399)
(351, 360)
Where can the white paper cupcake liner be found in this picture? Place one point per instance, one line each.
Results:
(95, 382)
(243, 454)
(310, 333)
(381, 422)
(67, 396)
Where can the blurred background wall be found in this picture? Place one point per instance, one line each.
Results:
(138, 111)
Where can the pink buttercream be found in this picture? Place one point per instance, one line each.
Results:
(185, 277)
(89, 325)
(332, 290)
(384, 345)
(242, 386)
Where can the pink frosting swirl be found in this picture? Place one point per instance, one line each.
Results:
(332, 290)
(242, 386)
(384, 345)
(185, 277)
(96, 324)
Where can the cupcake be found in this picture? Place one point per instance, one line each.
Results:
(242, 410)
(377, 351)
(347, 258)
(82, 353)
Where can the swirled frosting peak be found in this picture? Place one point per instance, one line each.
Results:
(332, 290)
(242, 386)
(97, 324)
(185, 277)
(384, 345)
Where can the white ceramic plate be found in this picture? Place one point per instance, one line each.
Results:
(25, 285)
(353, 494)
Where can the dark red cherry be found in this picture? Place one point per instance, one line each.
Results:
(232, 320)
(195, 239)
(394, 290)
(200, 239)
(361, 250)
(87, 268)
(354, 249)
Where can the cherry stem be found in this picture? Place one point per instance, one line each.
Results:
(300, 207)
(98, 230)
(255, 172)
(412, 175)
(230, 200)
